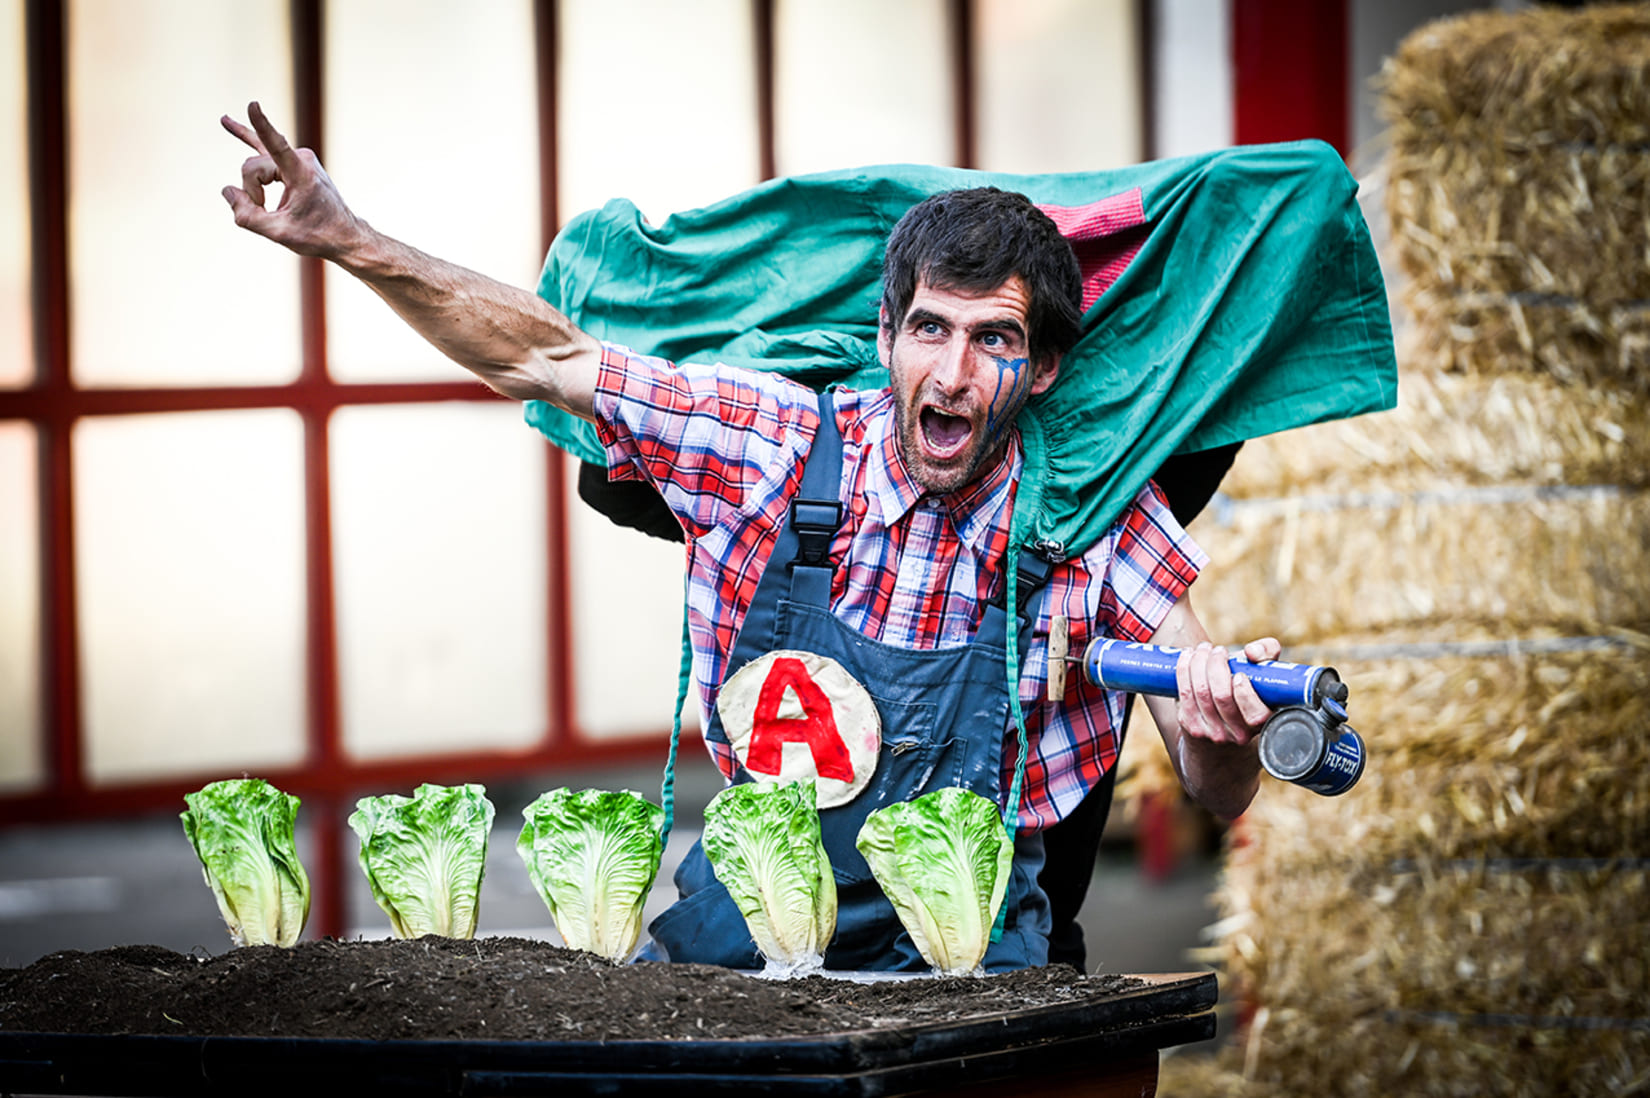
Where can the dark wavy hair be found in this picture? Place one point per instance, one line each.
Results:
(976, 240)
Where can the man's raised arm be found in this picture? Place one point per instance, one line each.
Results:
(507, 336)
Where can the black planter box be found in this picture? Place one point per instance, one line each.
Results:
(1022, 1046)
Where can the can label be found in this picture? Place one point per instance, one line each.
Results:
(1278, 683)
(1304, 747)
(1149, 669)
(1342, 766)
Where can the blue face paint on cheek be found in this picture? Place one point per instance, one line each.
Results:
(1013, 379)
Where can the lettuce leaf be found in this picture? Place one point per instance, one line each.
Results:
(425, 855)
(943, 859)
(762, 839)
(242, 831)
(593, 854)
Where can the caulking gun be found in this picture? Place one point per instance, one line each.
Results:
(1306, 740)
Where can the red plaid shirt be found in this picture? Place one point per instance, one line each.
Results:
(726, 449)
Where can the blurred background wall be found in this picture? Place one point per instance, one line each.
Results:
(248, 523)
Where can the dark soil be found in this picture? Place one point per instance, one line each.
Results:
(490, 988)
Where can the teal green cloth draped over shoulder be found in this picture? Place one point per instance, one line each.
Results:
(1254, 304)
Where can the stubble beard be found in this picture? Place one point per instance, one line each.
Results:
(942, 480)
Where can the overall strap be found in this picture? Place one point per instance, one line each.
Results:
(816, 512)
(1031, 573)
(803, 548)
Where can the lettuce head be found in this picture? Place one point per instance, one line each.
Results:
(943, 859)
(242, 832)
(762, 839)
(593, 854)
(424, 857)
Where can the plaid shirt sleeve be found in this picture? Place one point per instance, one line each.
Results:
(1122, 587)
(1153, 562)
(713, 440)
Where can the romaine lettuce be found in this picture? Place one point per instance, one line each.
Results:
(593, 854)
(944, 860)
(762, 839)
(241, 830)
(424, 857)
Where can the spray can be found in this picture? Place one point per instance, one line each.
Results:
(1306, 741)
(1307, 747)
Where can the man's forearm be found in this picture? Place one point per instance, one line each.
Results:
(1210, 728)
(513, 340)
(1222, 777)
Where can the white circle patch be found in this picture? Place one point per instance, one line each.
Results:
(791, 716)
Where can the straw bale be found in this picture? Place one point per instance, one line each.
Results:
(1576, 342)
(1449, 431)
(1306, 569)
(1430, 1060)
(1443, 639)
(1381, 1056)
(1518, 757)
(1473, 216)
(1542, 941)
(1470, 918)
(1464, 981)
(1518, 191)
(1185, 1074)
(1537, 77)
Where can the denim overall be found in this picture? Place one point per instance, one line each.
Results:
(943, 713)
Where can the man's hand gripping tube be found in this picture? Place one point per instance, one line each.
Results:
(1306, 740)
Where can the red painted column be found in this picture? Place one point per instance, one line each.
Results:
(328, 917)
(1289, 71)
(562, 709)
(48, 206)
(964, 120)
(762, 39)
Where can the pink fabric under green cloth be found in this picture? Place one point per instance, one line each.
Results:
(1229, 295)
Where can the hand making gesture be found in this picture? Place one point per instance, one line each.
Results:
(510, 338)
(311, 217)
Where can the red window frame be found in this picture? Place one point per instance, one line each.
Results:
(327, 778)
(1271, 37)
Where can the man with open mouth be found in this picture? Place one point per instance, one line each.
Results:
(860, 531)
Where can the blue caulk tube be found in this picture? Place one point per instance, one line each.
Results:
(1149, 669)
(1306, 741)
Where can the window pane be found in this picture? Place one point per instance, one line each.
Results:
(1192, 54)
(1059, 85)
(627, 625)
(21, 765)
(166, 290)
(432, 135)
(438, 535)
(189, 530)
(861, 82)
(657, 103)
(16, 325)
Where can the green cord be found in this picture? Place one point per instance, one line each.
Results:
(1033, 472)
(1011, 811)
(1012, 664)
(667, 789)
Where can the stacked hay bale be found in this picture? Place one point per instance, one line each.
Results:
(1474, 917)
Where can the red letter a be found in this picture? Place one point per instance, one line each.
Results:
(816, 727)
